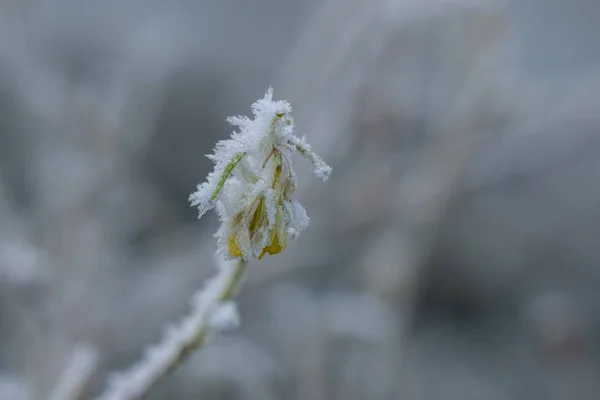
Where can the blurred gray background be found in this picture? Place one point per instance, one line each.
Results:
(454, 254)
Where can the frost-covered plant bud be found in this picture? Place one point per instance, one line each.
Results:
(253, 183)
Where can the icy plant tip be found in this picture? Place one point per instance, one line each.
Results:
(252, 188)
(253, 183)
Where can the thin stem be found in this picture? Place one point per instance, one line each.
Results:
(195, 341)
(233, 284)
(179, 342)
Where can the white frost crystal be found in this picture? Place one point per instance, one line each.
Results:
(253, 183)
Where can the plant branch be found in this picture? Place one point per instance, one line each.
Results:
(182, 340)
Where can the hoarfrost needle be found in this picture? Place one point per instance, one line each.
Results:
(252, 188)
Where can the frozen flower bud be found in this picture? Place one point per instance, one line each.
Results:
(253, 183)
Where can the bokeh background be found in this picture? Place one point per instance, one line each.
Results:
(454, 254)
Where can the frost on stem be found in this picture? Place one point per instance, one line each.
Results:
(253, 182)
(211, 310)
(252, 188)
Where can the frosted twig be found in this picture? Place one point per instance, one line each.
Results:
(252, 187)
(180, 340)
